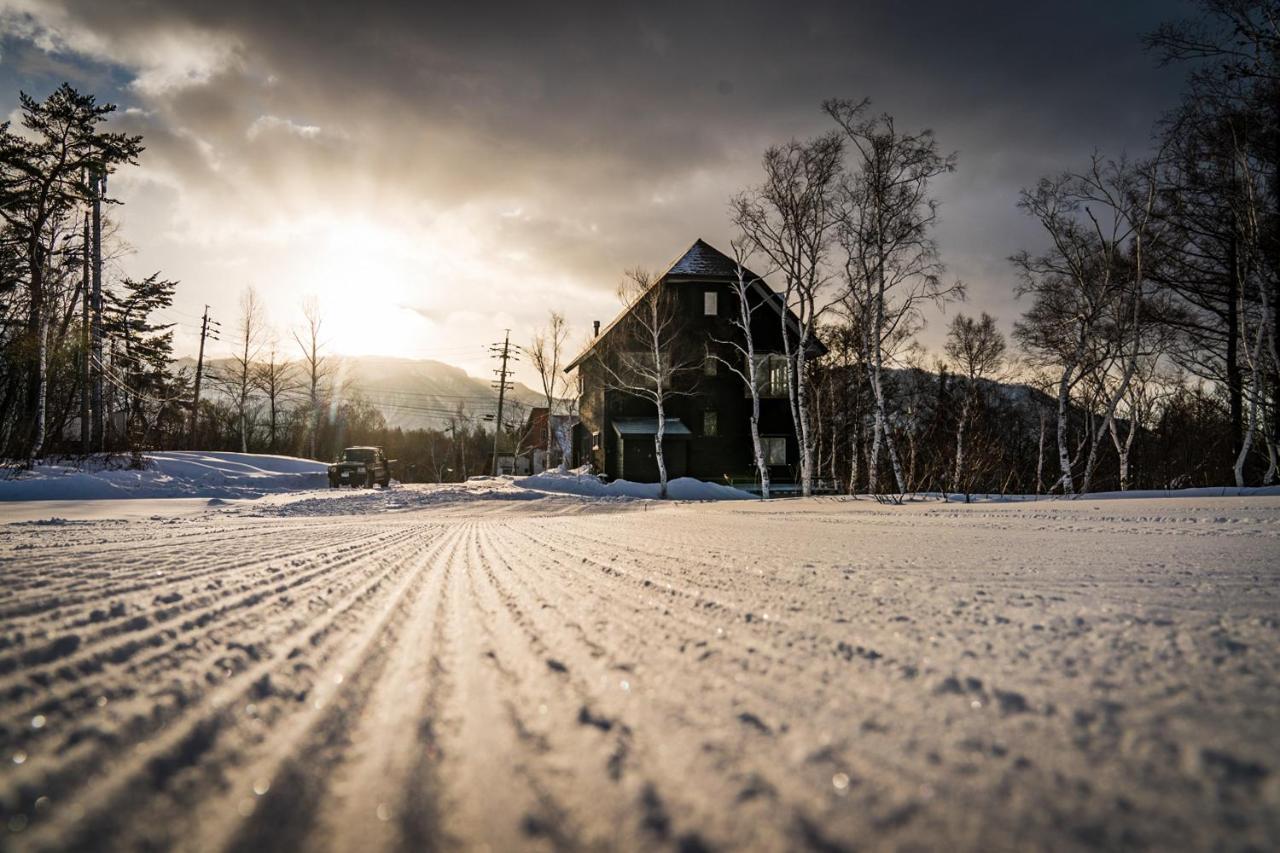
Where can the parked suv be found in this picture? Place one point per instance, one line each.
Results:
(361, 466)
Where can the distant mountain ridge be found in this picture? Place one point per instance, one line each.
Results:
(424, 393)
(410, 393)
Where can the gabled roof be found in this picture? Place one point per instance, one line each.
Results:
(700, 261)
(703, 260)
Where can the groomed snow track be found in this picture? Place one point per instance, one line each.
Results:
(551, 675)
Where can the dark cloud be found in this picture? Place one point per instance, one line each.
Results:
(585, 137)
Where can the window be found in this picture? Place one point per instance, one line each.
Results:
(771, 375)
(595, 441)
(639, 365)
(710, 428)
(709, 365)
(775, 449)
(710, 303)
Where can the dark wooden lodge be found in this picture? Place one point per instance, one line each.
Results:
(708, 425)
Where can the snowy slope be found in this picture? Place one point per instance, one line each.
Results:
(168, 474)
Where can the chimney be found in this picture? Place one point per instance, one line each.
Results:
(595, 328)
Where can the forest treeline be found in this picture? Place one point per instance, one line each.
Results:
(1145, 356)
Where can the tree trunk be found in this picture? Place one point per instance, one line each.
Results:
(854, 429)
(1096, 440)
(796, 397)
(657, 449)
(873, 461)
(99, 426)
(1255, 390)
(762, 464)
(753, 385)
(38, 325)
(84, 344)
(882, 430)
(964, 419)
(1040, 453)
(546, 462)
(1064, 410)
(818, 429)
(272, 440)
(1123, 448)
(315, 412)
(806, 434)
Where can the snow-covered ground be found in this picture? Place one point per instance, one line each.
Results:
(225, 475)
(171, 473)
(511, 667)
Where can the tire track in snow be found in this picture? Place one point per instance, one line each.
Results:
(143, 776)
(344, 733)
(188, 646)
(49, 594)
(372, 803)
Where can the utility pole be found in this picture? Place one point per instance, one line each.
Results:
(205, 332)
(86, 445)
(99, 183)
(503, 351)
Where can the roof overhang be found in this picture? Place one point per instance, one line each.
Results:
(635, 427)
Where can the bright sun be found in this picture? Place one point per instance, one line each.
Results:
(366, 280)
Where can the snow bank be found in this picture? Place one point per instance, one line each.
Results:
(397, 498)
(1132, 494)
(575, 484)
(578, 482)
(168, 474)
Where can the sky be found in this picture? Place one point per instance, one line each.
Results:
(436, 173)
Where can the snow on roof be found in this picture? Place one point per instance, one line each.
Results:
(649, 426)
(705, 261)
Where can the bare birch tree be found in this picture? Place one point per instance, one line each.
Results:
(1093, 297)
(891, 267)
(239, 376)
(743, 361)
(976, 349)
(1260, 350)
(316, 368)
(1144, 394)
(545, 354)
(278, 379)
(647, 358)
(790, 219)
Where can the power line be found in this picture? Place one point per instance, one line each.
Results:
(427, 395)
(105, 373)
